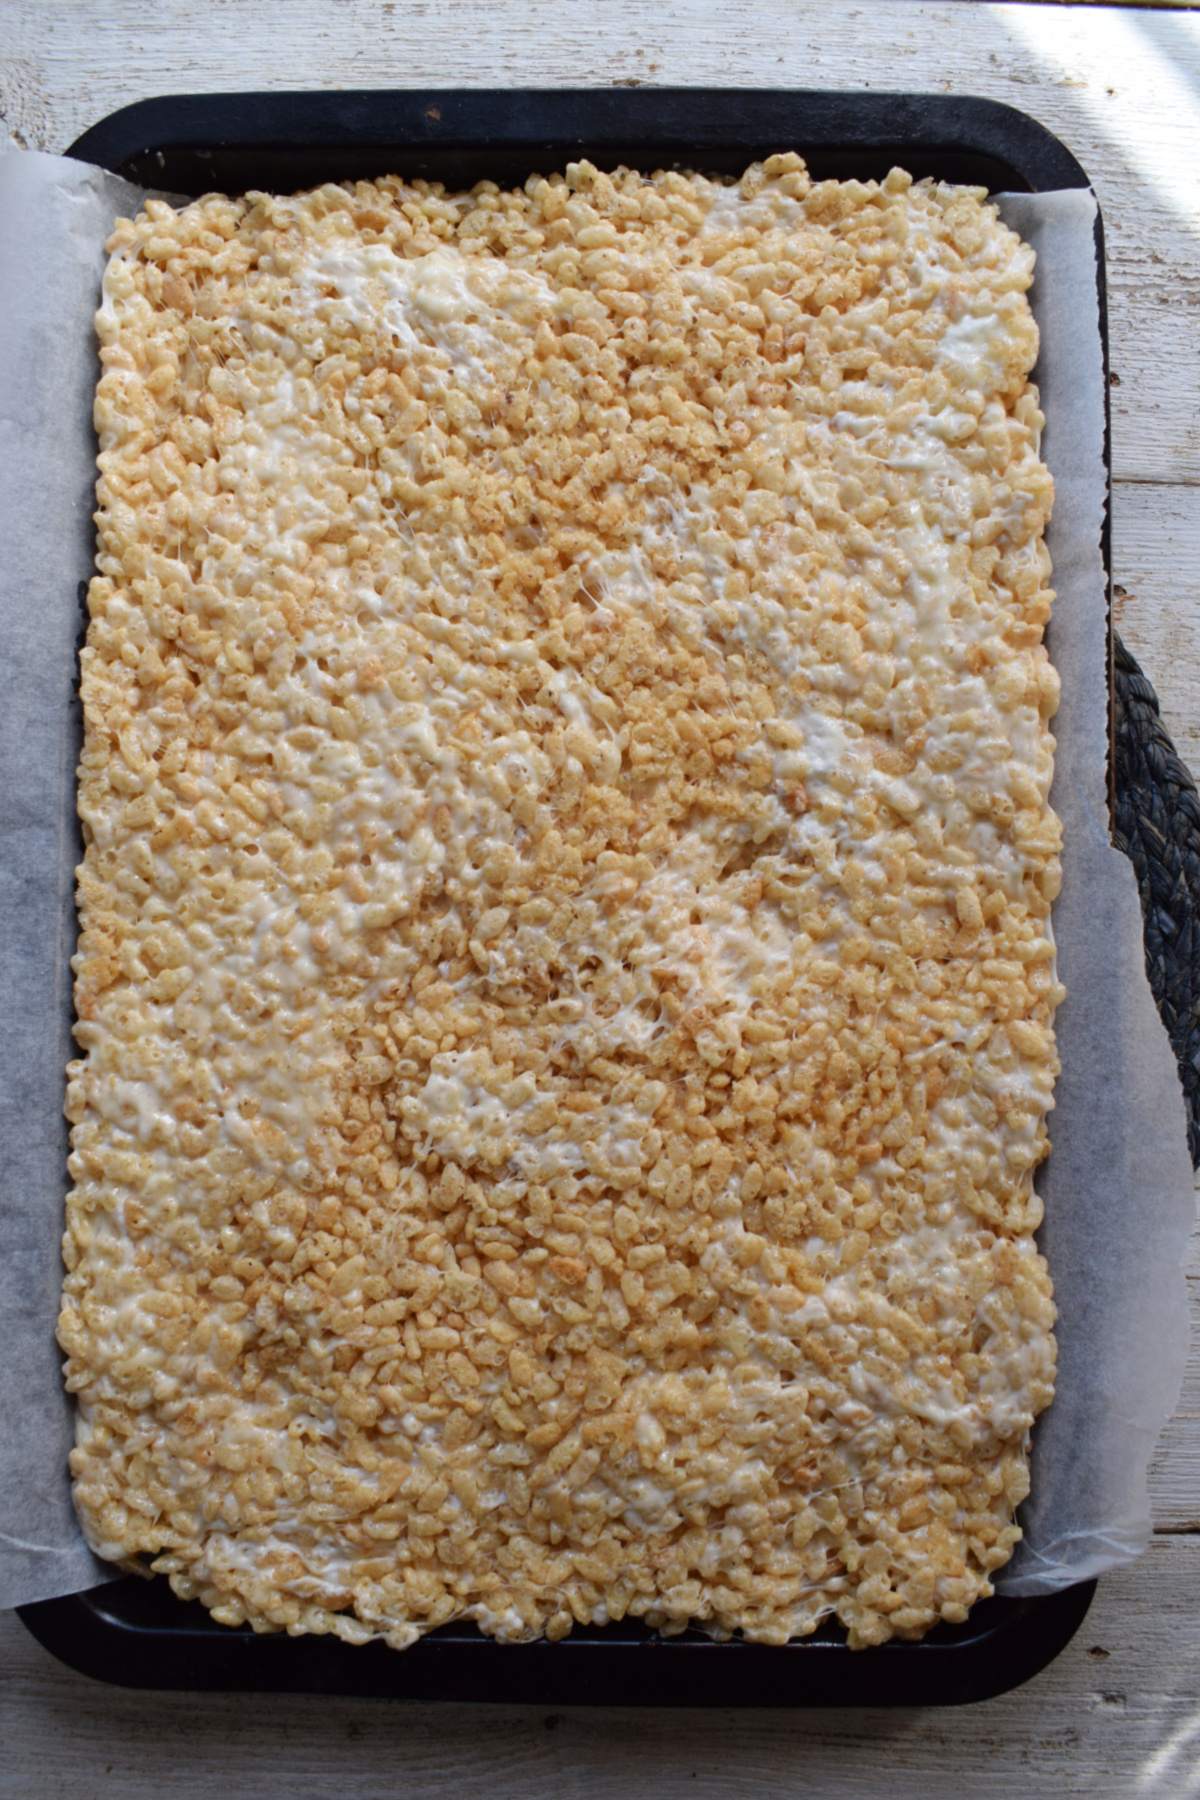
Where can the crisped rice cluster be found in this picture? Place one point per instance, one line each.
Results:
(565, 975)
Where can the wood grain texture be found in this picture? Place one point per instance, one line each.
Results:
(1119, 1712)
(1175, 1471)
(1156, 560)
(1153, 339)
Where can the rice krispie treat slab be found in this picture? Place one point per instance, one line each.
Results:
(565, 979)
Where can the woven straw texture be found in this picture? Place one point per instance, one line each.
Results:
(1157, 824)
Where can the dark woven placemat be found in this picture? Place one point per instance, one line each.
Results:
(1157, 824)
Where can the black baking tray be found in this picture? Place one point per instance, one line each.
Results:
(137, 1633)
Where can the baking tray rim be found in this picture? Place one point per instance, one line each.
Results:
(439, 122)
(1004, 1643)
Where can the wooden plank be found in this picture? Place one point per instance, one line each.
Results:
(1154, 340)
(1116, 1713)
(1175, 1471)
(1156, 561)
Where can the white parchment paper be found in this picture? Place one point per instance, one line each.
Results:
(54, 218)
(1118, 1185)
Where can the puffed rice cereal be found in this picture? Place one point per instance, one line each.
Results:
(565, 981)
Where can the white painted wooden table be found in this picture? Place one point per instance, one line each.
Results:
(1119, 1712)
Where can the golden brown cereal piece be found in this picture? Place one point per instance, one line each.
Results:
(565, 982)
